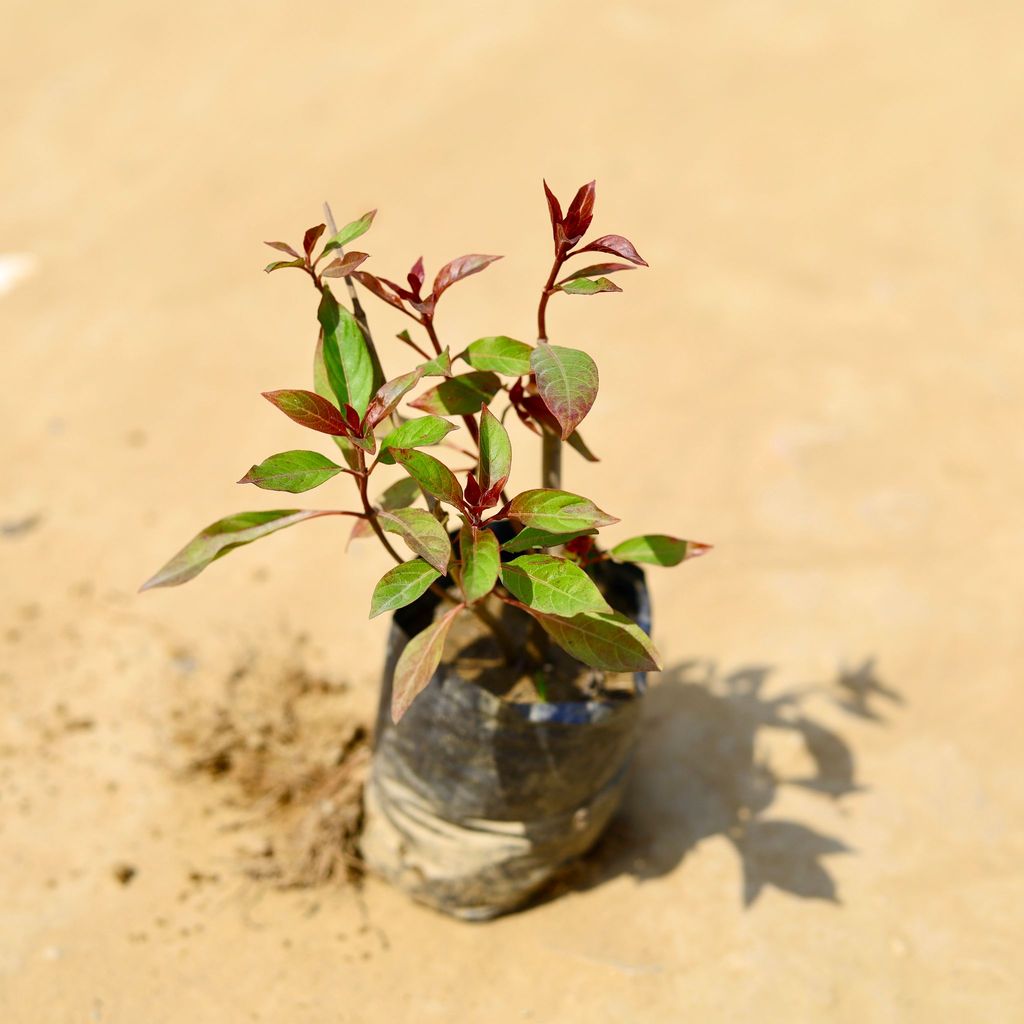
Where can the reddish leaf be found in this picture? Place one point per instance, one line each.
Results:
(311, 236)
(309, 410)
(416, 276)
(617, 246)
(388, 396)
(555, 213)
(284, 247)
(597, 270)
(533, 412)
(375, 285)
(397, 288)
(580, 213)
(567, 381)
(458, 269)
(352, 418)
(344, 265)
(472, 494)
(418, 663)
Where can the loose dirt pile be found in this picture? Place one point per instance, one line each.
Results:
(286, 747)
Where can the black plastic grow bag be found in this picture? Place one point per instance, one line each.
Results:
(474, 803)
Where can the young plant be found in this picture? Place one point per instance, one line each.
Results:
(544, 567)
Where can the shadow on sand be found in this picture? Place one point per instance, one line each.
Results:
(702, 771)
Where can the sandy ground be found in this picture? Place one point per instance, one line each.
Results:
(821, 375)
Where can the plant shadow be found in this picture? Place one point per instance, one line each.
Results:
(716, 751)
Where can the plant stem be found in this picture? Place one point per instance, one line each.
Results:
(371, 512)
(551, 446)
(428, 323)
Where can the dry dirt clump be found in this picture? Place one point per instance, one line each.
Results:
(293, 759)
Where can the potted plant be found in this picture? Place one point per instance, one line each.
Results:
(518, 647)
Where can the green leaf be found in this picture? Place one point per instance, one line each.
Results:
(500, 355)
(433, 476)
(350, 232)
(657, 549)
(401, 586)
(553, 585)
(481, 560)
(293, 471)
(346, 357)
(278, 264)
(322, 386)
(439, 366)
(418, 663)
(495, 452)
(221, 537)
(418, 433)
(589, 286)
(578, 444)
(605, 640)
(557, 511)
(459, 396)
(567, 381)
(401, 494)
(534, 538)
(422, 532)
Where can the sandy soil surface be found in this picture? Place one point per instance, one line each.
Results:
(821, 375)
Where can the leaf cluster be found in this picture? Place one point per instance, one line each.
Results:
(544, 566)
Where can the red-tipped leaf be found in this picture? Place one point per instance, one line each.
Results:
(580, 213)
(422, 532)
(616, 245)
(657, 549)
(567, 380)
(458, 269)
(418, 663)
(311, 236)
(343, 266)
(431, 474)
(309, 410)
(223, 536)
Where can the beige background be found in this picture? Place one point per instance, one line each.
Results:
(821, 374)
